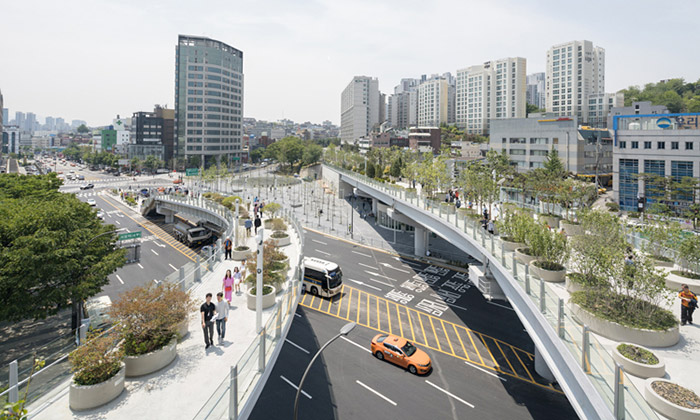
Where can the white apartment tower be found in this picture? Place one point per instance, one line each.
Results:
(360, 105)
(493, 90)
(435, 99)
(575, 72)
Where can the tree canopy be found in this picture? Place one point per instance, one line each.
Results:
(53, 249)
(676, 94)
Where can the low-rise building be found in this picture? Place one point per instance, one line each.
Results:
(637, 108)
(424, 139)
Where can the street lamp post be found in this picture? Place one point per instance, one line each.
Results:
(343, 331)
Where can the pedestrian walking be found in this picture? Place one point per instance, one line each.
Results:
(490, 227)
(688, 304)
(207, 313)
(257, 223)
(262, 206)
(486, 213)
(255, 209)
(228, 244)
(248, 226)
(227, 285)
(221, 316)
(238, 278)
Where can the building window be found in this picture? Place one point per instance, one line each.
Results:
(635, 145)
(680, 170)
(647, 145)
(623, 145)
(689, 145)
(629, 187)
(660, 144)
(654, 190)
(674, 145)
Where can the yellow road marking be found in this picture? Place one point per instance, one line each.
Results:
(330, 304)
(505, 357)
(340, 301)
(398, 315)
(313, 299)
(347, 315)
(388, 316)
(521, 362)
(460, 341)
(420, 320)
(379, 316)
(368, 313)
(483, 340)
(359, 302)
(413, 335)
(430, 318)
(447, 336)
(474, 345)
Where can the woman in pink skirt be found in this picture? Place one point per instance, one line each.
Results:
(237, 278)
(228, 286)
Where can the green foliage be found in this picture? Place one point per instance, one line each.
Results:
(625, 310)
(515, 226)
(675, 94)
(97, 360)
(256, 155)
(272, 209)
(270, 276)
(546, 245)
(597, 253)
(553, 165)
(53, 250)
(371, 172)
(637, 354)
(688, 250)
(532, 109)
(278, 224)
(16, 410)
(614, 207)
(82, 129)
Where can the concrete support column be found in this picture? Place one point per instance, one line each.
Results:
(374, 205)
(420, 241)
(169, 217)
(541, 366)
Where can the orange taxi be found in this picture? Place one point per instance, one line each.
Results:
(401, 352)
(177, 181)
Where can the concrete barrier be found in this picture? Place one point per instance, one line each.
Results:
(150, 362)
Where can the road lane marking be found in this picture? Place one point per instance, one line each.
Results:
(505, 357)
(153, 251)
(368, 266)
(120, 279)
(365, 284)
(397, 269)
(322, 252)
(319, 242)
(372, 273)
(449, 393)
(355, 344)
(295, 387)
(381, 282)
(474, 345)
(460, 341)
(408, 262)
(502, 306)
(140, 266)
(376, 393)
(159, 244)
(483, 341)
(521, 362)
(117, 222)
(485, 371)
(173, 267)
(360, 253)
(298, 346)
(296, 314)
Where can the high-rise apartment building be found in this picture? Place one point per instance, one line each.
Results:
(50, 124)
(30, 122)
(20, 119)
(359, 108)
(493, 90)
(535, 94)
(208, 99)
(3, 117)
(435, 102)
(575, 72)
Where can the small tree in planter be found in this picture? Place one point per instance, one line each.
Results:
(514, 228)
(551, 250)
(688, 250)
(596, 253)
(271, 268)
(98, 372)
(660, 237)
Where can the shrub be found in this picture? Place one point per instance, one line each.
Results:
(547, 246)
(515, 226)
(95, 361)
(266, 289)
(278, 224)
(271, 209)
(278, 234)
(625, 310)
(242, 248)
(270, 277)
(637, 354)
(614, 207)
(130, 200)
(588, 280)
(686, 274)
(633, 215)
(598, 252)
(688, 250)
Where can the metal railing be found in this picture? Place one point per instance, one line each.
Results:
(624, 400)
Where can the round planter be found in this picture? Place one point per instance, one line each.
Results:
(282, 241)
(674, 282)
(661, 263)
(621, 333)
(549, 276)
(666, 407)
(570, 229)
(85, 397)
(239, 255)
(183, 328)
(511, 246)
(522, 257)
(268, 299)
(285, 261)
(151, 362)
(640, 369)
(572, 286)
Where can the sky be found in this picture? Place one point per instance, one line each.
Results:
(94, 59)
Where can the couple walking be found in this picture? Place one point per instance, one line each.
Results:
(212, 313)
(233, 281)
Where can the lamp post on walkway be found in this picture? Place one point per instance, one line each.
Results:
(343, 331)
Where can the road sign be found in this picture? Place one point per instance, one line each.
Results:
(192, 171)
(236, 158)
(129, 235)
(123, 162)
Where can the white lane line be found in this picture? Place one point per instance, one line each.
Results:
(159, 244)
(319, 242)
(376, 393)
(297, 315)
(374, 280)
(486, 372)
(298, 346)
(153, 251)
(365, 284)
(397, 269)
(502, 306)
(117, 222)
(155, 281)
(140, 266)
(173, 267)
(449, 393)
(371, 273)
(364, 255)
(120, 279)
(322, 252)
(408, 262)
(368, 266)
(295, 387)
(454, 306)
(355, 344)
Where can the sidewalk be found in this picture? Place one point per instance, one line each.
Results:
(179, 390)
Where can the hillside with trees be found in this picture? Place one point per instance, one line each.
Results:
(677, 94)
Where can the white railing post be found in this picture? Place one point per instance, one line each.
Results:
(14, 377)
(560, 319)
(261, 355)
(586, 350)
(619, 392)
(233, 394)
(543, 303)
(197, 269)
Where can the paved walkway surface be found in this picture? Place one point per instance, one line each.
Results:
(179, 390)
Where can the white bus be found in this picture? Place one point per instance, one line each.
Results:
(321, 277)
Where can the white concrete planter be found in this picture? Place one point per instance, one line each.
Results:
(522, 257)
(85, 397)
(183, 328)
(640, 369)
(572, 286)
(151, 362)
(549, 276)
(268, 299)
(660, 263)
(282, 241)
(570, 229)
(665, 407)
(239, 255)
(674, 282)
(511, 246)
(621, 333)
(285, 261)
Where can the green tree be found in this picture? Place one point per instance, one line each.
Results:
(151, 163)
(371, 170)
(82, 129)
(312, 153)
(553, 166)
(256, 155)
(291, 151)
(53, 250)
(532, 109)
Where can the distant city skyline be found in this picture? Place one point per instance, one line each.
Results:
(300, 55)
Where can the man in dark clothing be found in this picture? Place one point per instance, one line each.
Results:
(207, 311)
(257, 223)
(486, 213)
(227, 247)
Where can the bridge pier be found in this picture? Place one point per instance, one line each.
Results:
(420, 241)
(541, 366)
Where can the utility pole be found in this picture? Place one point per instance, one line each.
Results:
(597, 160)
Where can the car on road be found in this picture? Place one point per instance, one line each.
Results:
(81, 177)
(101, 215)
(401, 352)
(144, 192)
(177, 181)
(87, 186)
(92, 202)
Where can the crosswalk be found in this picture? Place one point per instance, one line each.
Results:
(89, 193)
(428, 331)
(95, 180)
